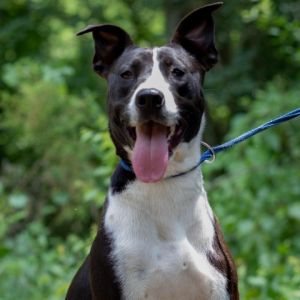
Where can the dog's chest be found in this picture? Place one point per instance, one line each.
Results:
(160, 241)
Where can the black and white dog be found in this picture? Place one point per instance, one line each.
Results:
(158, 239)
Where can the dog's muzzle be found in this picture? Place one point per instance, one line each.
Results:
(154, 135)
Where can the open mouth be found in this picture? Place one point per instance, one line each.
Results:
(153, 145)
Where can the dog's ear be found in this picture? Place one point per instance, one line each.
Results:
(195, 33)
(110, 41)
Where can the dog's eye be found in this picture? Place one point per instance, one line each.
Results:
(177, 73)
(127, 75)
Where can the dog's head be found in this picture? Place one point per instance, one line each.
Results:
(155, 97)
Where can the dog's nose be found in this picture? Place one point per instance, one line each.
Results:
(149, 100)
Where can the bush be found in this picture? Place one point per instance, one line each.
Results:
(254, 189)
(36, 266)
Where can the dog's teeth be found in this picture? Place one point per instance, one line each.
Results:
(172, 130)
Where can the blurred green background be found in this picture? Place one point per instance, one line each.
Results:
(56, 155)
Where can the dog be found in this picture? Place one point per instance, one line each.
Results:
(158, 238)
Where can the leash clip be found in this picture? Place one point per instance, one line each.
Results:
(211, 150)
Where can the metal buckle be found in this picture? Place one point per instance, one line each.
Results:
(210, 148)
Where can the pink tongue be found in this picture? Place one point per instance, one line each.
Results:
(150, 152)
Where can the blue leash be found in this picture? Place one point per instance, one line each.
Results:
(290, 115)
(213, 150)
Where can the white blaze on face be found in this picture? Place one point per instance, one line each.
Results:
(157, 81)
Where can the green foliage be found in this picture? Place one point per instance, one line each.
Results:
(54, 177)
(56, 156)
(36, 272)
(257, 197)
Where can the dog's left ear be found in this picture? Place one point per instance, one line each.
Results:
(195, 33)
(110, 43)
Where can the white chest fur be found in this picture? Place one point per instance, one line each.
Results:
(161, 233)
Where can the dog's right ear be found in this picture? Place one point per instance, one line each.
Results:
(110, 42)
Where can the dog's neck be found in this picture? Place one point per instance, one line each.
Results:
(185, 157)
(168, 204)
(188, 187)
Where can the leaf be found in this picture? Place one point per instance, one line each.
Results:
(18, 200)
(4, 251)
(294, 211)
